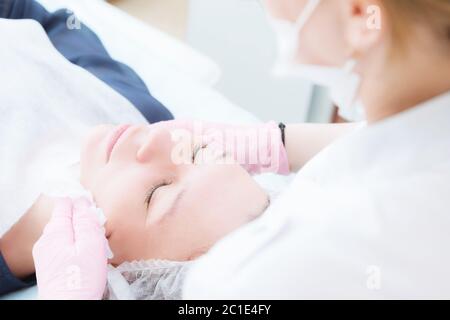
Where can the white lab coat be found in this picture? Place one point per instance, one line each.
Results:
(369, 217)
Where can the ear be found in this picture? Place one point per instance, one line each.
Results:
(366, 25)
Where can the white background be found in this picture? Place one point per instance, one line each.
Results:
(237, 35)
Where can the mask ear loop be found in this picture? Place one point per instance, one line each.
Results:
(307, 12)
(291, 31)
(358, 107)
(349, 69)
(351, 107)
(305, 15)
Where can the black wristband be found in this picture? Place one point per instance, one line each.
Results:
(282, 127)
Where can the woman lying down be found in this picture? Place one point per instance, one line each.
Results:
(160, 214)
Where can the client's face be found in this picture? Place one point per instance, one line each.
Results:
(156, 207)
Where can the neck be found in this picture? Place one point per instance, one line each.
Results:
(17, 244)
(410, 82)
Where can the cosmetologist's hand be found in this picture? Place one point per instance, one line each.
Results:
(71, 255)
(257, 147)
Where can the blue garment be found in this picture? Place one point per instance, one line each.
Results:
(8, 282)
(83, 48)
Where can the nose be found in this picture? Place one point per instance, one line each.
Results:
(157, 145)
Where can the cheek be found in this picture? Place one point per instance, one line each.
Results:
(178, 238)
(323, 40)
(119, 190)
(91, 157)
(118, 194)
(119, 198)
(128, 242)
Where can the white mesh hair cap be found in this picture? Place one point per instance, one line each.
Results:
(146, 280)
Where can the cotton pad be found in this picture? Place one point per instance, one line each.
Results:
(65, 184)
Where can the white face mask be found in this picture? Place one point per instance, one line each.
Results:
(342, 82)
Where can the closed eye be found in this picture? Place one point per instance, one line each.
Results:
(152, 190)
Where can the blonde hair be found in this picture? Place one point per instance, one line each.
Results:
(433, 14)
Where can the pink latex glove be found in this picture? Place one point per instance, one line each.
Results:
(258, 148)
(71, 255)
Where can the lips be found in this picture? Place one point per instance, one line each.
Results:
(115, 138)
